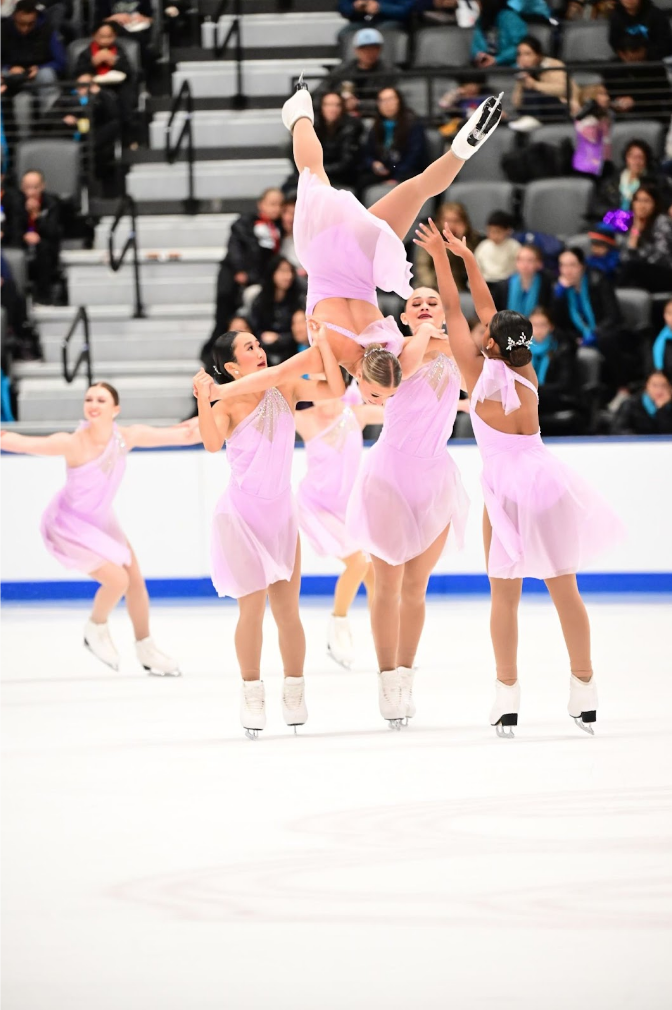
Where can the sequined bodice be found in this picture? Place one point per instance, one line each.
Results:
(419, 418)
(261, 447)
(91, 487)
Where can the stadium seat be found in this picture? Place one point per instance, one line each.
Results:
(436, 145)
(481, 199)
(544, 33)
(553, 133)
(556, 206)
(486, 166)
(635, 305)
(641, 129)
(442, 47)
(16, 260)
(395, 47)
(422, 94)
(585, 42)
(58, 160)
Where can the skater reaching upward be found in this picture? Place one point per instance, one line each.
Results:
(255, 551)
(79, 527)
(541, 519)
(349, 251)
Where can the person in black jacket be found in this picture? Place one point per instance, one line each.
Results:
(90, 108)
(359, 80)
(339, 135)
(273, 309)
(396, 148)
(642, 19)
(648, 412)
(105, 60)
(554, 360)
(32, 54)
(33, 222)
(638, 89)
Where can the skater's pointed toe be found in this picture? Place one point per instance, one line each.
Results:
(98, 640)
(299, 106)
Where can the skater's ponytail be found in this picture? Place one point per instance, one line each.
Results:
(222, 354)
(381, 366)
(512, 332)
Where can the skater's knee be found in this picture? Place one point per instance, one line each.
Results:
(413, 589)
(116, 579)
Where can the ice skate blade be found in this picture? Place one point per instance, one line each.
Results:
(504, 732)
(111, 665)
(302, 86)
(482, 129)
(395, 723)
(585, 726)
(252, 734)
(159, 673)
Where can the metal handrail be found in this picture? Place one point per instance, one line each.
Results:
(127, 205)
(172, 150)
(84, 354)
(239, 100)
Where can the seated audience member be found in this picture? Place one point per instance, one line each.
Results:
(593, 126)
(339, 133)
(496, 254)
(32, 53)
(90, 108)
(287, 248)
(554, 361)
(23, 341)
(105, 61)
(661, 351)
(272, 311)
(529, 287)
(618, 185)
(497, 33)
(541, 87)
(300, 330)
(388, 13)
(437, 12)
(456, 216)
(604, 254)
(459, 104)
(638, 90)
(641, 19)
(648, 412)
(134, 16)
(254, 240)
(33, 222)
(396, 148)
(359, 80)
(646, 258)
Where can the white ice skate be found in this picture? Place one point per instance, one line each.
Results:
(389, 698)
(294, 701)
(253, 708)
(154, 661)
(339, 641)
(299, 106)
(504, 712)
(478, 128)
(583, 703)
(98, 641)
(408, 705)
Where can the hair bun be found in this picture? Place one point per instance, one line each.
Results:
(519, 356)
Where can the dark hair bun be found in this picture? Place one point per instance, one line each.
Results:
(519, 356)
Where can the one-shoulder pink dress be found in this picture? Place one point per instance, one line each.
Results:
(78, 526)
(255, 528)
(409, 487)
(546, 520)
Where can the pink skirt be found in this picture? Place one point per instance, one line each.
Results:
(324, 527)
(78, 542)
(400, 504)
(253, 543)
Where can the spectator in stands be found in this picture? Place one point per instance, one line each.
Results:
(23, 342)
(593, 122)
(604, 253)
(255, 239)
(541, 87)
(617, 188)
(300, 330)
(646, 259)
(90, 106)
(385, 13)
(273, 309)
(644, 21)
(529, 287)
(339, 134)
(496, 255)
(456, 217)
(32, 54)
(496, 34)
(359, 80)
(637, 89)
(33, 222)
(459, 103)
(648, 412)
(437, 12)
(131, 15)
(107, 63)
(287, 247)
(396, 148)
(661, 350)
(554, 361)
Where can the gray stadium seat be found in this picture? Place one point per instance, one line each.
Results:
(436, 145)
(481, 199)
(585, 42)
(442, 47)
(556, 206)
(486, 166)
(553, 133)
(635, 305)
(422, 94)
(16, 260)
(467, 305)
(642, 129)
(58, 160)
(544, 33)
(130, 46)
(395, 47)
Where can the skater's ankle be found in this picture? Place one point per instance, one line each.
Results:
(508, 681)
(250, 678)
(584, 675)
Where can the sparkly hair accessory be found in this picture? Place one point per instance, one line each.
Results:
(372, 350)
(216, 370)
(522, 341)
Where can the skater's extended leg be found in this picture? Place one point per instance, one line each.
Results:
(308, 150)
(413, 598)
(113, 584)
(348, 583)
(137, 600)
(385, 612)
(284, 600)
(249, 634)
(575, 624)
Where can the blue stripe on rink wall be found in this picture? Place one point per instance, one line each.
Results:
(323, 585)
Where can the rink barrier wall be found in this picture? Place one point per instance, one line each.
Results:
(168, 496)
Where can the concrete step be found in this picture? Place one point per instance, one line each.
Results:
(212, 179)
(172, 231)
(180, 262)
(141, 397)
(276, 31)
(138, 348)
(162, 290)
(113, 370)
(117, 320)
(217, 79)
(254, 128)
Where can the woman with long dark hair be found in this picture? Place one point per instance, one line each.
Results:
(272, 310)
(646, 260)
(340, 135)
(396, 148)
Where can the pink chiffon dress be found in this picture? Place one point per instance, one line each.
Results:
(255, 528)
(78, 526)
(546, 520)
(409, 487)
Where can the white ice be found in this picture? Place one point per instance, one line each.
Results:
(155, 859)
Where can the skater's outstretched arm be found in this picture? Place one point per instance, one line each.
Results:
(145, 436)
(214, 423)
(484, 303)
(304, 363)
(57, 444)
(332, 386)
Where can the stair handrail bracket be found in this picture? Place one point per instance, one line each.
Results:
(84, 357)
(126, 206)
(184, 98)
(235, 36)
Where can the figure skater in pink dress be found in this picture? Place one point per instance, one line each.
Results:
(541, 520)
(79, 527)
(332, 434)
(255, 551)
(406, 501)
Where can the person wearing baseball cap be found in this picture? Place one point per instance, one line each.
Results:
(360, 79)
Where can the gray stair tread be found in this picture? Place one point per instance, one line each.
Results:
(169, 255)
(43, 370)
(48, 313)
(38, 387)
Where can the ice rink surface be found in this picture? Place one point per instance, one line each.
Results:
(155, 859)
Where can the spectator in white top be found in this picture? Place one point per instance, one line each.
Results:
(496, 254)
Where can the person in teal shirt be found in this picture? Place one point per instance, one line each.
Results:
(497, 33)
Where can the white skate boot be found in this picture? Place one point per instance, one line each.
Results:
(98, 641)
(407, 704)
(253, 708)
(294, 707)
(505, 710)
(299, 106)
(478, 128)
(154, 661)
(339, 641)
(583, 703)
(389, 698)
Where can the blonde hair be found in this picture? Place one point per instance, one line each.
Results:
(381, 366)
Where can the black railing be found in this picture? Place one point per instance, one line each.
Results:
(84, 356)
(234, 36)
(186, 133)
(127, 206)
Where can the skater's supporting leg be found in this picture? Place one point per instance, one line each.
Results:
(249, 634)
(308, 150)
(356, 567)
(413, 597)
(113, 584)
(284, 600)
(385, 612)
(505, 599)
(575, 624)
(369, 582)
(401, 206)
(137, 600)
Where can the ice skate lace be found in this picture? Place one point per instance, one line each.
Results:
(255, 701)
(293, 695)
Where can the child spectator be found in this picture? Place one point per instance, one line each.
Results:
(648, 412)
(462, 101)
(592, 125)
(641, 19)
(604, 254)
(496, 254)
(661, 352)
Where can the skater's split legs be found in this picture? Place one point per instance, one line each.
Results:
(249, 634)
(308, 150)
(385, 612)
(284, 600)
(137, 600)
(113, 584)
(356, 569)
(574, 622)
(413, 599)
(401, 206)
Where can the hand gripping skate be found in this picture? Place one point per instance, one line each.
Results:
(478, 128)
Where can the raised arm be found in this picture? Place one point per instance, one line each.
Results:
(214, 423)
(284, 374)
(57, 444)
(480, 292)
(415, 348)
(332, 386)
(144, 436)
